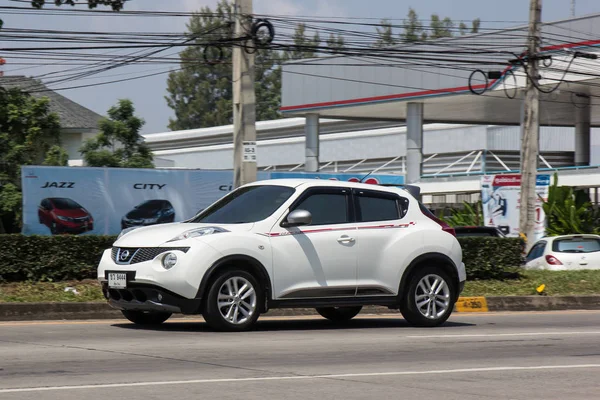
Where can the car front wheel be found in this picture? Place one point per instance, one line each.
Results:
(233, 300)
(146, 318)
(339, 314)
(429, 298)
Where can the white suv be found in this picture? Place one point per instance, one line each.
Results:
(334, 246)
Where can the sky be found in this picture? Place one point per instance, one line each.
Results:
(148, 94)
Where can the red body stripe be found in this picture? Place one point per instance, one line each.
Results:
(288, 233)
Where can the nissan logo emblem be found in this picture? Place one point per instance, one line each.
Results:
(124, 255)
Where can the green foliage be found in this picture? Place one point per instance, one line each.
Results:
(201, 95)
(29, 135)
(57, 156)
(441, 28)
(413, 29)
(462, 28)
(558, 283)
(119, 143)
(64, 257)
(116, 5)
(385, 34)
(569, 211)
(491, 257)
(469, 215)
(475, 25)
(335, 42)
(304, 46)
(51, 258)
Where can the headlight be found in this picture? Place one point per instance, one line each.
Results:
(64, 218)
(169, 260)
(126, 231)
(199, 232)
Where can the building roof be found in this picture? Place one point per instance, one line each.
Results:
(72, 115)
(442, 73)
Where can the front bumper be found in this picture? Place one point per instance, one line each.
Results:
(182, 280)
(149, 298)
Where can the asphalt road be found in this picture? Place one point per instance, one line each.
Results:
(553, 355)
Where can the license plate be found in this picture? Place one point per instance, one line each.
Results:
(117, 280)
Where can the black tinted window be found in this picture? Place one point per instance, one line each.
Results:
(372, 208)
(248, 204)
(536, 251)
(326, 208)
(65, 204)
(576, 245)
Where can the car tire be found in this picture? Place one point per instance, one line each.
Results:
(233, 301)
(339, 314)
(146, 318)
(426, 303)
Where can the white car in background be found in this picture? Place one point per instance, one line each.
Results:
(568, 252)
(334, 246)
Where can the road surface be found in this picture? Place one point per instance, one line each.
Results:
(552, 355)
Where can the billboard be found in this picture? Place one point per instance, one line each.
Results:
(103, 201)
(500, 196)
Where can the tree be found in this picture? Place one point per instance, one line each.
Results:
(413, 29)
(115, 4)
(385, 34)
(304, 46)
(475, 25)
(569, 211)
(462, 28)
(441, 28)
(201, 94)
(119, 143)
(29, 135)
(335, 42)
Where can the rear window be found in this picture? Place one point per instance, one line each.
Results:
(577, 245)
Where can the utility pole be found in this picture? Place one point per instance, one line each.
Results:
(244, 100)
(531, 128)
(572, 8)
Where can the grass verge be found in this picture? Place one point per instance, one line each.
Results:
(557, 283)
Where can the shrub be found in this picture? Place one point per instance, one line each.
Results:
(491, 257)
(64, 257)
(51, 258)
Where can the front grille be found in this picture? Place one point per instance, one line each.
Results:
(140, 254)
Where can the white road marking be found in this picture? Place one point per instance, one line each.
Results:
(473, 335)
(299, 377)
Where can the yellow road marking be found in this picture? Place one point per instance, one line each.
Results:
(471, 304)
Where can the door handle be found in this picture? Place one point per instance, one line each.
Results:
(345, 239)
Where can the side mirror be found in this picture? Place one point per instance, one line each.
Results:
(298, 218)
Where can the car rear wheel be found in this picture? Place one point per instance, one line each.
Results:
(233, 300)
(339, 314)
(429, 298)
(146, 317)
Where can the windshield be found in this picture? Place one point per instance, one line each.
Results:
(65, 204)
(576, 245)
(152, 205)
(245, 205)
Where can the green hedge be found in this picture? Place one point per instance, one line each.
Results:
(57, 258)
(51, 258)
(490, 257)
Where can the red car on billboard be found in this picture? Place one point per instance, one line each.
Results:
(63, 215)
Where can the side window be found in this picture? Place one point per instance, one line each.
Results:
(326, 208)
(536, 251)
(373, 207)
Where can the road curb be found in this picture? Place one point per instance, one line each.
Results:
(73, 311)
